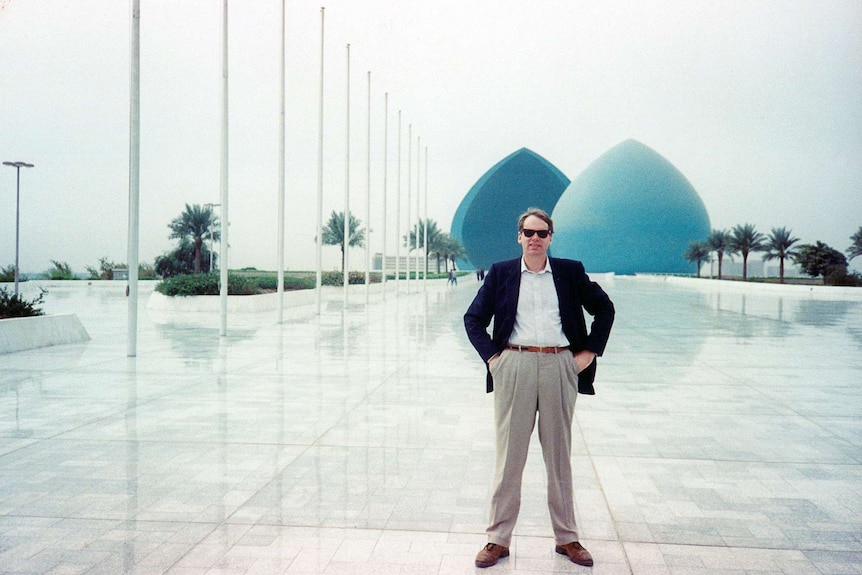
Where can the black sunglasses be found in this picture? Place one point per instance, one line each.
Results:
(542, 233)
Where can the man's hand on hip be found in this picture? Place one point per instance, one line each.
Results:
(583, 359)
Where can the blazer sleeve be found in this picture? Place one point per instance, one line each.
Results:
(599, 305)
(479, 314)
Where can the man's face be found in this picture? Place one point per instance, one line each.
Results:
(534, 246)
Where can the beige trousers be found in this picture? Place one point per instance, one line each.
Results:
(527, 384)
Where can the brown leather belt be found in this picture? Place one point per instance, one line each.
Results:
(536, 349)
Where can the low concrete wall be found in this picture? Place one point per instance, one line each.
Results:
(212, 303)
(20, 333)
(246, 303)
(819, 292)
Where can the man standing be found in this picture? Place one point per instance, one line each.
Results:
(539, 357)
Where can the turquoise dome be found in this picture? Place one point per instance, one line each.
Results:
(630, 211)
(486, 221)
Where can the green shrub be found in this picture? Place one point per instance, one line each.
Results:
(7, 274)
(12, 305)
(353, 278)
(269, 282)
(420, 275)
(181, 260)
(60, 271)
(190, 284)
(105, 271)
(238, 284)
(245, 283)
(296, 283)
(106, 268)
(840, 276)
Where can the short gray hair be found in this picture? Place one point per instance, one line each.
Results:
(539, 213)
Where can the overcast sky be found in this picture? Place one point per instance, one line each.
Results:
(757, 103)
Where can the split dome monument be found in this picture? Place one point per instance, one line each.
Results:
(630, 211)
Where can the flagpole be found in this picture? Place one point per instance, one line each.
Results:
(134, 177)
(398, 215)
(418, 198)
(385, 181)
(319, 236)
(223, 246)
(368, 199)
(409, 195)
(346, 239)
(280, 289)
(427, 252)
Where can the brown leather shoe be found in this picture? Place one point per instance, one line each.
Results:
(576, 553)
(490, 554)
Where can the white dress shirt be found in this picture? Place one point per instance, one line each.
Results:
(537, 320)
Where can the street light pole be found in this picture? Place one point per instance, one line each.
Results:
(17, 166)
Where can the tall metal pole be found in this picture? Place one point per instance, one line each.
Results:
(425, 275)
(225, 226)
(398, 214)
(409, 195)
(281, 134)
(368, 198)
(319, 237)
(418, 227)
(17, 166)
(385, 220)
(17, 219)
(134, 178)
(346, 241)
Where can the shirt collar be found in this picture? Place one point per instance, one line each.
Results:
(547, 268)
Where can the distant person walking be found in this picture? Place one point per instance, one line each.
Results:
(453, 279)
(539, 358)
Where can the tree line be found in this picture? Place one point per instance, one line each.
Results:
(196, 226)
(815, 260)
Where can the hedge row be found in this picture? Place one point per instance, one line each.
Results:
(251, 284)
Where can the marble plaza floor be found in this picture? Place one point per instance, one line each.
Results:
(725, 439)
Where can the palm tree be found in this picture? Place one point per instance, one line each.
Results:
(451, 250)
(194, 224)
(856, 248)
(333, 233)
(718, 241)
(744, 240)
(440, 248)
(434, 234)
(779, 244)
(697, 253)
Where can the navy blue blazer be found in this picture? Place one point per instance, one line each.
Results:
(498, 298)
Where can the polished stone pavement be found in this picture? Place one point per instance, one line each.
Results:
(725, 438)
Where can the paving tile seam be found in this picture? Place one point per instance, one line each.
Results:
(20, 448)
(306, 446)
(103, 520)
(608, 510)
(172, 441)
(769, 462)
(797, 549)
